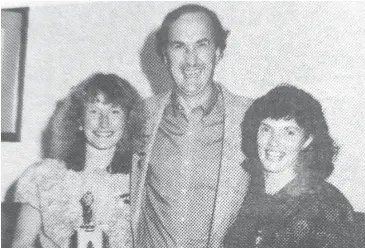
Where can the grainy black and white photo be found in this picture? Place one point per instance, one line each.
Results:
(183, 124)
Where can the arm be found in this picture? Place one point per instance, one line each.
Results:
(27, 228)
(323, 226)
(336, 235)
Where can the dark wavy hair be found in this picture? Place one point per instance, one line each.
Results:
(220, 33)
(288, 102)
(69, 142)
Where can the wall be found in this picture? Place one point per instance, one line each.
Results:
(316, 46)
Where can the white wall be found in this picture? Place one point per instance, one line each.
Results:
(319, 47)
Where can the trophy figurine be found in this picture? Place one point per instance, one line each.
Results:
(89, 235)
(87, 213)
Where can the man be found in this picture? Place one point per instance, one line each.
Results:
(187, 183)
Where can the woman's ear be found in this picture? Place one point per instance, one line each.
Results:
(307, 143)
(80, 124)
(218, 55)
(164, 58)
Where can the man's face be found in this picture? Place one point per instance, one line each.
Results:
(191, 54)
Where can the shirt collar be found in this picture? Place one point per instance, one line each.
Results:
(303, 183)
(178, 104)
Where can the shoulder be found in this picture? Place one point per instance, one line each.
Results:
(235, 105)
(328, 215)
(40, 171)
(329, 203)
(333, 200)
(38, 177)
(147, 107)
(235, 100)
(47, 166)
(154, 101)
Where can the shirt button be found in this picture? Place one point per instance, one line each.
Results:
(183, 191)
(182, 219)
(190, 132)
(186, 162)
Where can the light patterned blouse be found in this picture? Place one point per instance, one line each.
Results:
(55, 192)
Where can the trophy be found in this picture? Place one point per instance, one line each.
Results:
(89, 235)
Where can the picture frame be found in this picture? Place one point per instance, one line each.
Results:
(14, 29)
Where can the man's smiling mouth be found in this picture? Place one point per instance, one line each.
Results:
(103, 134)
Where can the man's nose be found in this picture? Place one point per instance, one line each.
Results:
(104, 121)
(190, 57)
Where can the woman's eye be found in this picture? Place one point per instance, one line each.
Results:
(264, 129)
(290, 133)
(116, 111)
(92, 111)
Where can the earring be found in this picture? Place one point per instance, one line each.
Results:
(81, 128)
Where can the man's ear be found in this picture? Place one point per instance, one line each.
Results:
(307, 143)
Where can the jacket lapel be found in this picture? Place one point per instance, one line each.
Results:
(155, 110)
(233, 179)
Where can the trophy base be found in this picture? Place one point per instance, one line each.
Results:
(89, 237)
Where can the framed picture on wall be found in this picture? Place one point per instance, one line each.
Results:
(14, 26)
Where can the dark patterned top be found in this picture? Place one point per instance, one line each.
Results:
(306, 213)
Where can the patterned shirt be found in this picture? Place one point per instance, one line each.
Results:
(182, 178)
(55, 192)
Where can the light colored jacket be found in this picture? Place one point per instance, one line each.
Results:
(233, 180)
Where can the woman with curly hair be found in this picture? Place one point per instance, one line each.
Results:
(87, 181)
(290, 153)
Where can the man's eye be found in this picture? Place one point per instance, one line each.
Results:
(92, 111)
(116, 111)
(203, 44)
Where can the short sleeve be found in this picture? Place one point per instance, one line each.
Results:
(27, 188)
(33, 181)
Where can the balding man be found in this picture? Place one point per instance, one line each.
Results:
(187, 182)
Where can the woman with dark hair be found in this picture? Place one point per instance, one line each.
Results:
(87, 180)
(290, 153)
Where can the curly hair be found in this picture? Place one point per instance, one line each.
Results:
(68, 141)
(220, 34)
(288, 102)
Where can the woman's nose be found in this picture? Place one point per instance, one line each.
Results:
(104, 121)
(274, 140)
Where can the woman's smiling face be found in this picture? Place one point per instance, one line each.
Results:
(279, 144)
(103, 123)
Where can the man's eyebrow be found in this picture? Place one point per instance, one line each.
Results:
(175, 42)
(292, 127)
(203, 40)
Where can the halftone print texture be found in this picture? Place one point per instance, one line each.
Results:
(181, 176)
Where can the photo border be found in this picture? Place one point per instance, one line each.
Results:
(15, 136)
